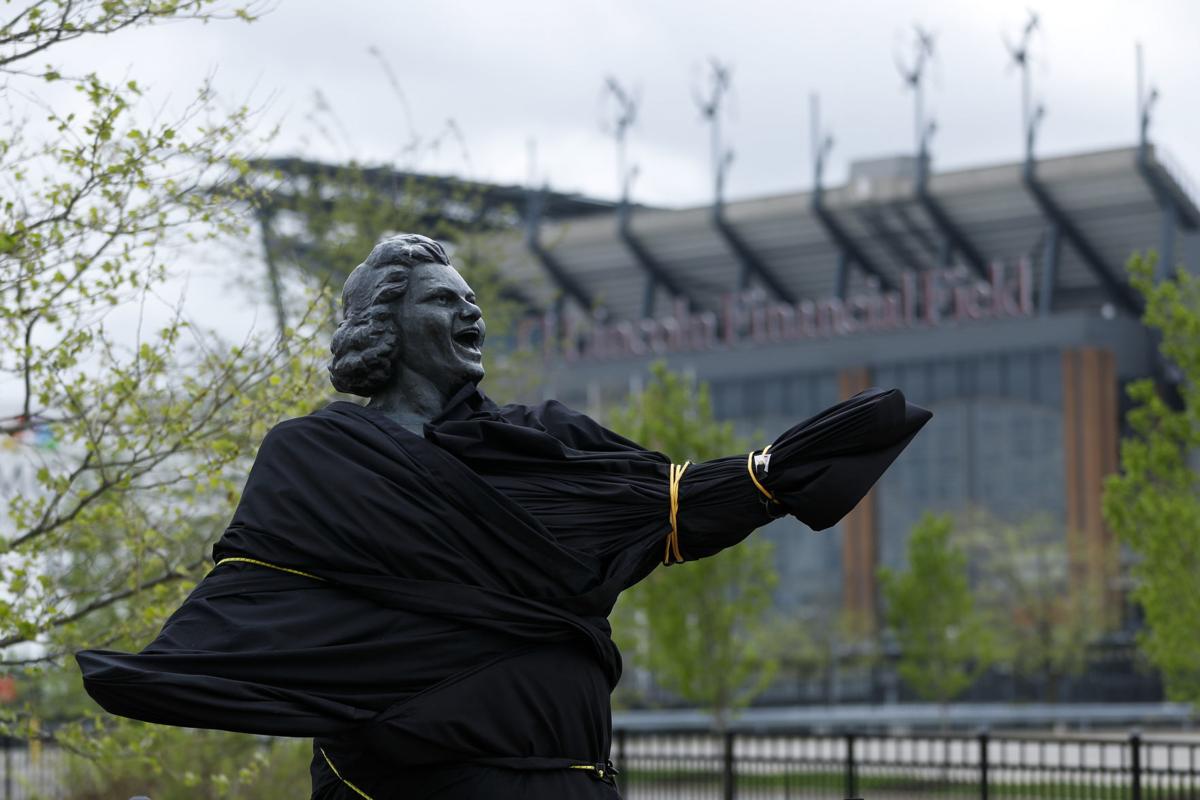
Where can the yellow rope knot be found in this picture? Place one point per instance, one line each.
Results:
(754, 477)
(675, 478)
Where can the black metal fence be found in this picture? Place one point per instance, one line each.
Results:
(29, 771)
(778, 766)
(890, 767)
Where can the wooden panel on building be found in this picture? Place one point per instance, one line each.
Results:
(1090, 432)
(860, 542)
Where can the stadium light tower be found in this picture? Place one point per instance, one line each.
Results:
(956, 247)
(820, 143)
(625, 114)
(1059, 224)
(1145, 102)
(750, 262)
(1150, 165)
(848, 252)
(720, 85)
(1020, 52)
(914, 78)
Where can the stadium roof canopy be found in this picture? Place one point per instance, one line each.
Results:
(1104, 205)
(490, 205)
(288, 190)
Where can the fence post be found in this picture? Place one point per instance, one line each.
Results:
(983, 765)
(851, 768)
(1135, 765)
(728, 774)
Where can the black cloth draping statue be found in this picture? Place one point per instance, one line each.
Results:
(422, 584)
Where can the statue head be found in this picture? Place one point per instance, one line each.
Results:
(406, 312)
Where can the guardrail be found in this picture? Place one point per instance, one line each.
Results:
(873, 766)
(956, 717)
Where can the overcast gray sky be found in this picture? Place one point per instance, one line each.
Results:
(533, 69)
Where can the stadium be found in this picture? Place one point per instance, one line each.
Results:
(996, 296)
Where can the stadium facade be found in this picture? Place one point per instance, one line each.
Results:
(996, 296)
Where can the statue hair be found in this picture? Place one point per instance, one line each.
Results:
(366, 341)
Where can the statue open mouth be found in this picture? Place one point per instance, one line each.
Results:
(470, 339)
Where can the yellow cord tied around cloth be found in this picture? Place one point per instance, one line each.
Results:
(754, 477)
(675, 478)
(257, 563)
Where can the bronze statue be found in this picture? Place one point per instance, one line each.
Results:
(409, 338)
(422, 584)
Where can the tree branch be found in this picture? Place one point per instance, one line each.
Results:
(104, 602)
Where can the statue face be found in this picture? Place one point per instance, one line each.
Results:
(441, 328)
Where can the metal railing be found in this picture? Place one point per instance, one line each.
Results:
(29, 772)
(892, 766)
(777, 766)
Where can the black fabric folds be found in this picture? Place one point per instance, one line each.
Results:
(603, 493)
(460, 582)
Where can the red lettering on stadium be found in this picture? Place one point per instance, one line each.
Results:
(924, 299)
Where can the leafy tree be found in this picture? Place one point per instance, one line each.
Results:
(696, 626)
(139, 424)
(944, 641)
(44, 24)
(1043, 616)
(1153, 505)
(191, 764)
(820, 646)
